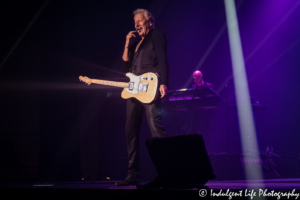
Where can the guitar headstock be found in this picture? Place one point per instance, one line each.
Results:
(85, 79)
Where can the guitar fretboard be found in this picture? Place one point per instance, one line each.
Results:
(111, 83)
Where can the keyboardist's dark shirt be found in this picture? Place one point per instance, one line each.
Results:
(205, 91)
(205, 85)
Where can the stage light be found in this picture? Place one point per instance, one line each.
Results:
(245, 115)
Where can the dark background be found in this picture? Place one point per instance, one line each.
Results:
(55, 128)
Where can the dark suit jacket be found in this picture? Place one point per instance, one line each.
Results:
(152, 56)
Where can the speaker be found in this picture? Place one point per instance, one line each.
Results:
(180, 161)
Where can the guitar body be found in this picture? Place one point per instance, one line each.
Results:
(144, 87)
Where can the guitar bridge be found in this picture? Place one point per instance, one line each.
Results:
(143, 87)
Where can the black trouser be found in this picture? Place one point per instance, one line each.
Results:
(134, 116)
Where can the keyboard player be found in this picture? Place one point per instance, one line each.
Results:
(198, 104)
(202, 117)
(199, 83)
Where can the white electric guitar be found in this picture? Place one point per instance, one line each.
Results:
(144, 87)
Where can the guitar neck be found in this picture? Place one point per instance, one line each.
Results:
(110, 83)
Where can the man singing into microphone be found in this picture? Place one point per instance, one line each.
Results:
(149, 54)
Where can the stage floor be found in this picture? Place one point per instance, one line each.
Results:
(220, 189)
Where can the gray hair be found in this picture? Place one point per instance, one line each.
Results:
(148, 15)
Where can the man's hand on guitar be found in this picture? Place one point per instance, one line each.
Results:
(163, 90)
